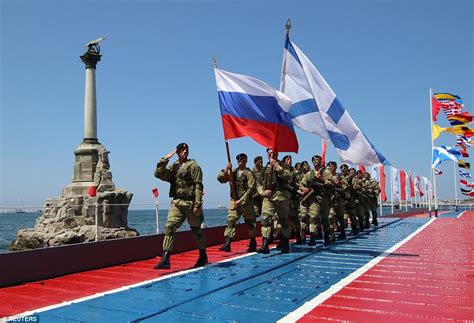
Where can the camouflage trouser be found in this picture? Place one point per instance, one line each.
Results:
(257, 205)
(337, 213)
(310, 209)
(367, 212)
(351, 213)
(373, 204)
(360, 213)
(270, 209)
(293, 219)
(180, 210)
(233, 217)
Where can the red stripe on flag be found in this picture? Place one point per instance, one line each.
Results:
(267, 134)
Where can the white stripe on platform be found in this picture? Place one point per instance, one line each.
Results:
(312, 304)
(86, 298)
(460, 214)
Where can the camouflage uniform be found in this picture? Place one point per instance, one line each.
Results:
(245, 188)
(278, 204)
(294, 222)
(373, 199)
(317, 202)
(257, 198)
(338, 204)
(358, 186)
(351, 206)
(186, 193)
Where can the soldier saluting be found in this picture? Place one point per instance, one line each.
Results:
(185, 178)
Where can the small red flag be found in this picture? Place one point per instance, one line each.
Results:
(403, 185)
(362, 168)
(383, 195)
(155, 192)
(435, 106)
(92, 191)
(323, 151)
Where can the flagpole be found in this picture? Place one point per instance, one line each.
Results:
(455, 186)
(391, 186)
(432, 169)
(231, 173)
(380, 194)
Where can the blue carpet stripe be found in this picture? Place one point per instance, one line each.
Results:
(259, 287)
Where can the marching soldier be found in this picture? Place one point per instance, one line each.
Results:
(242, 203)
(276, 201)
(360, 199)
(294, 200)
(338, 200)
(314, 186)
(258, 173)
(350, 211)
(185, 178)
(374, 192)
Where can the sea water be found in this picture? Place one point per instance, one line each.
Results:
(144, 221)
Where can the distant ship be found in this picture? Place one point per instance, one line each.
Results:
(19, 211)
(221, 207)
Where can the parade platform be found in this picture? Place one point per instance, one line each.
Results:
(408, 269)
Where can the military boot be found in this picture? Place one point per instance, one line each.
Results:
(319, 233)
(285, 245)
(366, 224)
(328, 239)
(303, 237)
(280, 242)
(252, 245)
(264, 248)
(202, 260)
(375, 222)
(312, 239)
(299, 240)
(164, 261)
(226, 246)
(342, 235)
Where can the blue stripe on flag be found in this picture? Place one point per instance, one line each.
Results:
(258, 108)
(289, 47)
(303, 107)
(336, 110)
(339, 140)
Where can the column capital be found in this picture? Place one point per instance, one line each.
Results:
(91, 58)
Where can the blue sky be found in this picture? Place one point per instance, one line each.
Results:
(156, 87)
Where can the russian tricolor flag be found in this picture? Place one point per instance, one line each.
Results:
(250, 107)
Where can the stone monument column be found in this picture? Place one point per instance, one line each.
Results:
(90, 58)
(87, 152)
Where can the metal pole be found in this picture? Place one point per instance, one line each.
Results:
(380, 194)
(391, 186)
(455, 186)
(432, 147)
(157, 212)
(96, 221)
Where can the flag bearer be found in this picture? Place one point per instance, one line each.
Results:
(185, 178)
(276, 201)
(242, 203)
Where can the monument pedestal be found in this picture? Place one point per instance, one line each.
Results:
(85, 164)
